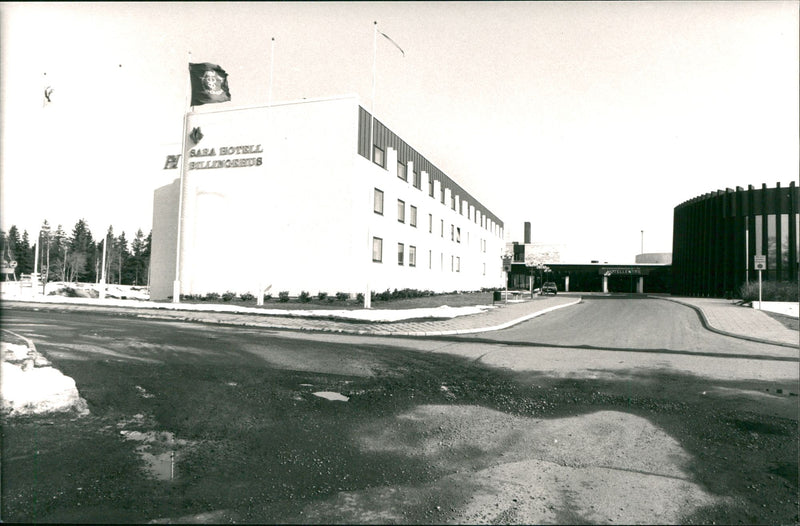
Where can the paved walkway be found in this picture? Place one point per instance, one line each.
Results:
(726, 317)
(719, 315)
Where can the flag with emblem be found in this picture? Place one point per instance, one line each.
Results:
(209, 84)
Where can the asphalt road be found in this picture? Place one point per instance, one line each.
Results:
(612, 411)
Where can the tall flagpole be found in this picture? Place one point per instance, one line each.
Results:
(176, 285)
(271, 69)
(368, 291)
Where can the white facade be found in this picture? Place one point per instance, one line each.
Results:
(279, 196)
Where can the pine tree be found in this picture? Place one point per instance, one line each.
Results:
(82, 254)
(13, 244)
(24, 255)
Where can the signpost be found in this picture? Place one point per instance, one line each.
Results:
(506, 269)
(760, 263)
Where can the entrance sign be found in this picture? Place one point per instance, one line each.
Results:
(760, 262)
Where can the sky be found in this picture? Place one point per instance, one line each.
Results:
(591, 120)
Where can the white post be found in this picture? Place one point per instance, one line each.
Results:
(103, 270)
(566, 284)
(759, 289)
(35, 275)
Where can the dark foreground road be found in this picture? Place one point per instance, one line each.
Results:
(614, 411)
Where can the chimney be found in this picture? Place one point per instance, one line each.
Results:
(527, 232)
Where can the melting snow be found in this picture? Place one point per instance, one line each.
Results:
(31, 386)
(329, 395)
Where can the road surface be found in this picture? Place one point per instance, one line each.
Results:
(612, 411)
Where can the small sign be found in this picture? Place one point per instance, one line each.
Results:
(760, 262)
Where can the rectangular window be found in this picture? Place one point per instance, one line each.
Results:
(400, 252)
(412, 256)
(484, 269)
(430, 223)
(458, 264)
(772, 245)
(377, 249)
(430, 259)
(430, 186)
(452, 232)
(452, 263)
(402, 171)
(784, 247)
(458, 234)
(413, 219)
(452, 202)
(378, 202)
(442, 195)
(442, 223)
(377, 156)
(401, 211)
(417, 181)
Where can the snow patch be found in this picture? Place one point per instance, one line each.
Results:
(31, 386)
(329, 395)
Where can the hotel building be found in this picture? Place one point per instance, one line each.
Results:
(305, 196)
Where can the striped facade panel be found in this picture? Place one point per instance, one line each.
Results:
(717, 235)
(384, 138)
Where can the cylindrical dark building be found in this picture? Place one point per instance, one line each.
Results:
(716, 235)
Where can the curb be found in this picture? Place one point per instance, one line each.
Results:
(711, 328)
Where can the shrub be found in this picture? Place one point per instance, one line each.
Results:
(246, 296)
(268, 297)
(283, 296)
(360, 297)
(211, 296)
(228, 295)
(305, 297)
(770, 291)
(322, 295)
(342, 296)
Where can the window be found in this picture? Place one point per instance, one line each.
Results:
(413, 219)
(378, 202)
(430, 186)
(430, 259)
(377, 156)
(458, 234)
(401, 211)
(400, 250)
(484, 269)
(442, 223)
(452, 232)
(458, 264)
(452, 202)
(417, 181)
(402, 171)
(442, 195)
(377, 249)
(452, 263)
(430, 223)
(412, 256)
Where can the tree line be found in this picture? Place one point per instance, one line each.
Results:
(77, 257)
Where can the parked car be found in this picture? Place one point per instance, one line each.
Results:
(549, 288)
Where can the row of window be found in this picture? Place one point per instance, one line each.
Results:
(455, 231)
(402, 173)
(377, 256)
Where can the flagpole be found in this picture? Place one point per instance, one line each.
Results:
(368, 291)
(176, 285)
(271, 69)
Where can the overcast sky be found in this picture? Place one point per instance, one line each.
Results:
(591, 120)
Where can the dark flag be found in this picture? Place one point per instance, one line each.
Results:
(209, 84)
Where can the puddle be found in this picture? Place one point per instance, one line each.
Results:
(329, 395)
(160, 451)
